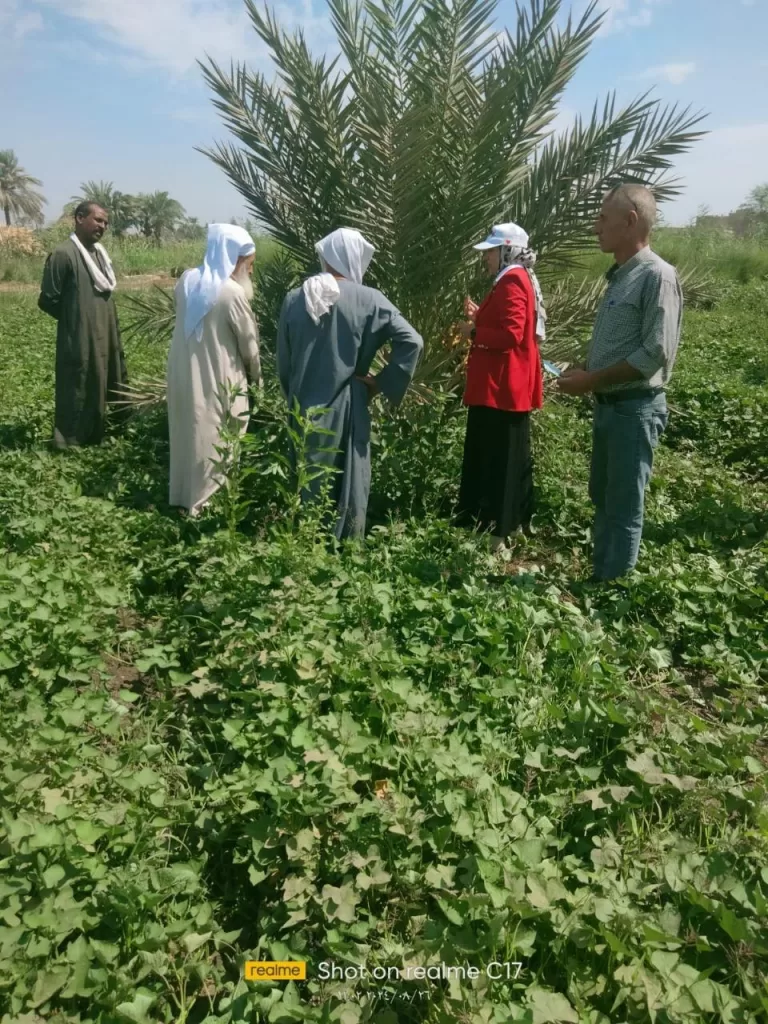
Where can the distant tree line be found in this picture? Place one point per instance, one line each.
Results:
(154, 215)
(749, 220)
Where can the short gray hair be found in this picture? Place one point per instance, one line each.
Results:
(637, 198)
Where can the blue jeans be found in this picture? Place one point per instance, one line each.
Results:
(624, 435)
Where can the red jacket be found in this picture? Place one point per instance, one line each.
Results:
(504, 368)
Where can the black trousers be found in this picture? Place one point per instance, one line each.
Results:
(496, 492)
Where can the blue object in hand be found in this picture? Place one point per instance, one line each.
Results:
(551, 368)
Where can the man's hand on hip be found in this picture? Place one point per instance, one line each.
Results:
(371, 385)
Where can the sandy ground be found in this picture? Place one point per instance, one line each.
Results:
(134, 283)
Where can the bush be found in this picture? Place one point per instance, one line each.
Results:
(19, 242)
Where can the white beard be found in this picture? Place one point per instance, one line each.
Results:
(246, 283)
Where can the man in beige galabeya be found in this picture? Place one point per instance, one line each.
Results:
(214, 353)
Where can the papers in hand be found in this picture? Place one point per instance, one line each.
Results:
(555, 370)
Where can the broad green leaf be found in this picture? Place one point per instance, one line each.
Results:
(664, 963)
(735, 927)
(107, 952)
(549, 1007)
(138, 1008)
(53, 799)
(645, 766)
(194, 940)
(604, 909)
(87, 833)
(339, 902)
(537, 892)
(53, 875)
(45, 837)
(703, 993)
(464, 825)
(450, 911)
(530, 851)
(47, 984)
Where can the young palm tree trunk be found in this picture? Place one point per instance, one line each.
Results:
(7, 212)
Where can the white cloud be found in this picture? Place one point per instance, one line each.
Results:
(674, 74)
(621, 15)
(175, 33)
(15, 23)
(720, 170)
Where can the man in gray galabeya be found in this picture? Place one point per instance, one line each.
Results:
(77, 291)
(629, 362)
(329, 332)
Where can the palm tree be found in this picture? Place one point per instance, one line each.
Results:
(99, 192)
(18, 191)
(158, 213)
(435, 127)
(190, 229)
(122, 213)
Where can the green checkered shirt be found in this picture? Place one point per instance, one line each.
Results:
(639, 320)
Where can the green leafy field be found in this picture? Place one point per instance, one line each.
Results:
(215, 752)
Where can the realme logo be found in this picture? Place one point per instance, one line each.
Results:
(275, 970)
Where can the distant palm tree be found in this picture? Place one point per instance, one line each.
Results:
(99, 192)
(18, 195)
(123, 213)
(190, 229)
(157, 213)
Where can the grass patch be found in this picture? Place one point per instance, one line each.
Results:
(131, 256)
(732, 260)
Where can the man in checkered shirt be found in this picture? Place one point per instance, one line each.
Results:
(630, 359)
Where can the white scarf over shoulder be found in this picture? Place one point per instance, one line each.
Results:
(347, 253)
(541, 313)
(102, 281)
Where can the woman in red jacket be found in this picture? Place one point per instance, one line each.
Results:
(504, 384)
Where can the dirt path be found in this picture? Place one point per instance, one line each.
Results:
(125, 284)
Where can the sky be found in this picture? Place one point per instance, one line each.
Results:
(110, 89)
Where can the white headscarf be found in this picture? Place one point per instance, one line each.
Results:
(226, 244)
(349, 254)
(513, 242)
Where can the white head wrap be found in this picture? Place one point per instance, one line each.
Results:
(513, 242)
(226, 244)
(344, 251)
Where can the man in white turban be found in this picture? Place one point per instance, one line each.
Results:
(215, 348)
(330, 329)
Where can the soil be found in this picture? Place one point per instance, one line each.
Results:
(121, 676)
